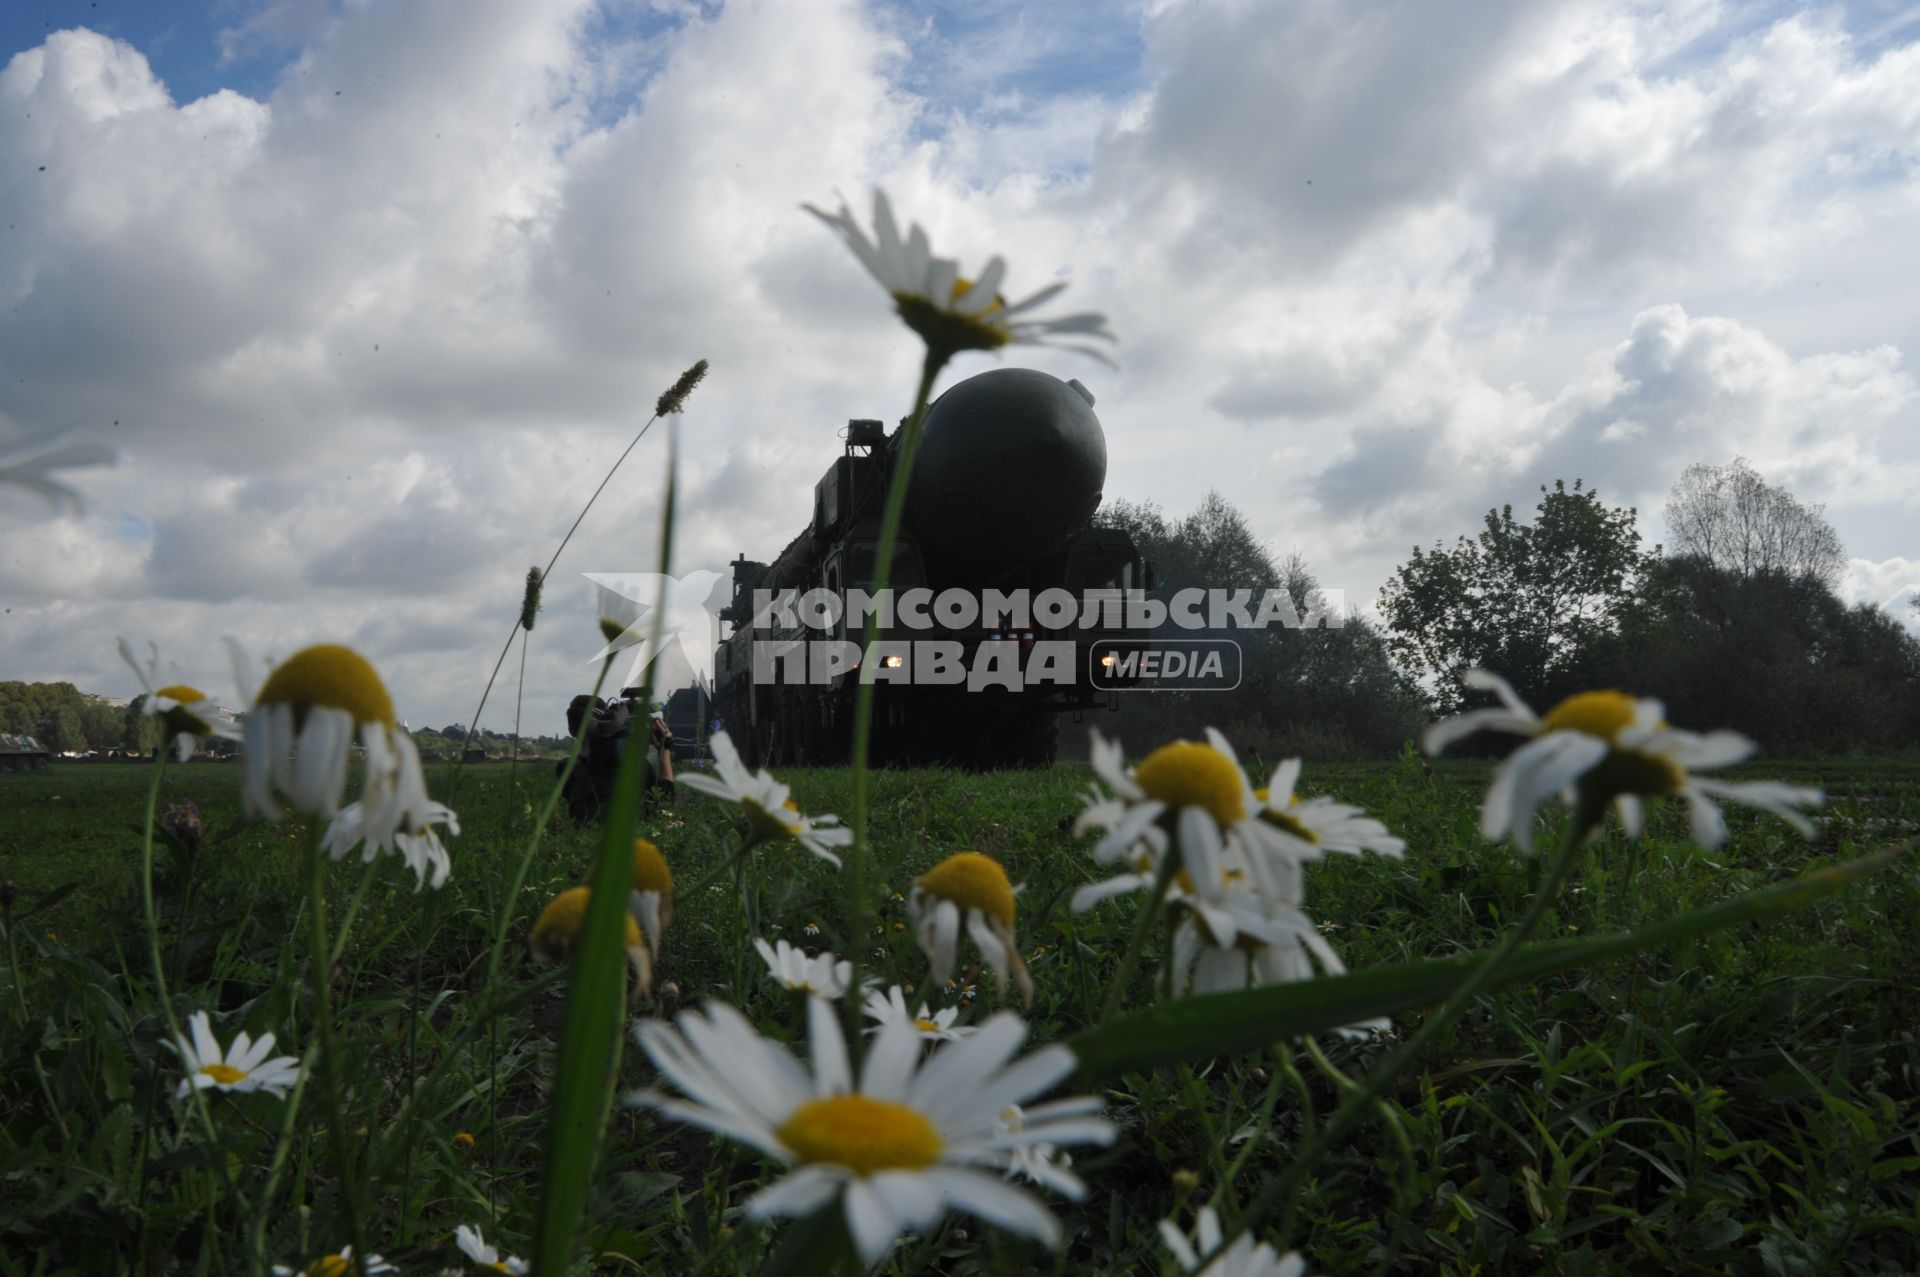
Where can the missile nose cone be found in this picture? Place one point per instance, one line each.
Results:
(1011, 464)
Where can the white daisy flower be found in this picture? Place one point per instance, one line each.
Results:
(1312, 827)
(1103, 814)
(969, 888)
(300, 732)
(1245, 1258)
(476, 1248)
(900, 1149)
(890, 1007)
(949, 312)
(244, 1067)
(1226, 861)
(1616, 749)
(1142, 816)
(339, 1264)
(770, 814)
(30, 463)
(822, 976)
(1237, 934)
(422, 851)
(1241, 940)
(186, 715)
(1041, 1164)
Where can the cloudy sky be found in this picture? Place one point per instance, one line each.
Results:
(369, 294)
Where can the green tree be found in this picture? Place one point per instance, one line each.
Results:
(61, 730)
(1529, 600)
(100, 723)
(139, 732)
(1773, 654)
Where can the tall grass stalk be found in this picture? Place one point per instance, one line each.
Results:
(670, 402)
(589, 1057)
(345, 1178)
(856, 867)
(513, 765)
(1142, 928)
(196, 1097)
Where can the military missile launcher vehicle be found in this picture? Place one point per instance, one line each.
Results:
(1002, 499)
(23, 754)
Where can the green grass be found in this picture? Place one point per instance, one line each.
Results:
(1747, 1102)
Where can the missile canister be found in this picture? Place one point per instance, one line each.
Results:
(1011, 464)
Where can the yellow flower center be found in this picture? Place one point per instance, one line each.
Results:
(611, 628)
(650, 872)
(772, 824)
(225, 1074)
(177, 720)
(463, 1141)
(949, 331)
(558, 928)
(330, 675)
(1622, 771)
(925, 1025)
(863, 1134)
(1281, 820)
(1602, 714)
(972, 881)
(329, 1266)
(1190, 774)
(962, 286)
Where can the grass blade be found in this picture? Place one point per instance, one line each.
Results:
(590, 1039)
(1200, 1028)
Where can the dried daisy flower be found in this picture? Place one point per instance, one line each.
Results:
(969, 889)
(556, 933)
(300, 732)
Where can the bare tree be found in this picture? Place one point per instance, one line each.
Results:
(1738, 522)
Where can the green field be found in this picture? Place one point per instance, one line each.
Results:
(1747, 1102)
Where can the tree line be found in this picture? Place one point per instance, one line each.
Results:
(60, 717)
(67, 720)
(1736, 624)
